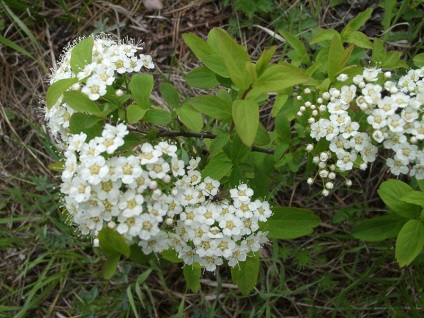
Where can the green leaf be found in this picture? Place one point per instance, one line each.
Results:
(413, 197)
(238, 151)
(111, 242)
(390, 192)
(199, 47)
(419, 59)
(216, 64)
(245, 274)
(135, 113)
(81, 103)
(379, 228)
(410, 242)
(57, 89)
(212, 106)
(191, 118)
(141, 86)
(288, 223)
(282, 128)
(420, 184)
(279, 102)
(264, 59)
(393, 61)
(324, 35)
(219, 142)
(235, 58)
(357, 22)
(275, 78)
(81, 54)
(192, 277)
(170, 93)
(201, 77)
(111, 265)
(359, 39)
(335, 53)
(158, 117)
(171, 255)
(246, 120)
(297, 45)
(88, 124)
(378, 52)
(137, 255)
(219, 166)
(262, 137)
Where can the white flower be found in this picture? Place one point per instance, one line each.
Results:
(159, 169)
(345, 160)
(149, 154)
(94, 169)
(129, 168)
(241, 193)
(94, 87)
(131, 203)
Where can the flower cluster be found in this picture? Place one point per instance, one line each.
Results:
(154, 200)
(371, 113)
(144, 192)
(110, 59)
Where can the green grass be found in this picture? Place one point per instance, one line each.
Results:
(46, 270)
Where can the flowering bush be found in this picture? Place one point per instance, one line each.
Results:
(132, 177)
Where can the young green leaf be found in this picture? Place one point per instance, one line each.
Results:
(357, 22)
(359, 39)
(334, 55)
(111, 242)
(324, 35)
(81, 103)
(219, 166)
(235, 58)
(192, 277)
(288, 223)
(57, 89)
(297, 45)
(246, 120)
(275, 78)
(410, 242)
(135, 113)
(157, 116)
(201, 77)
(212, 106)
(141, 86)
(390, 192)
(81, 54)
(216, 64)
(191, 118)
(170, 93)
(264, 59)
(199, 47)
(379, 228)
(413, 197)
(245, 274)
